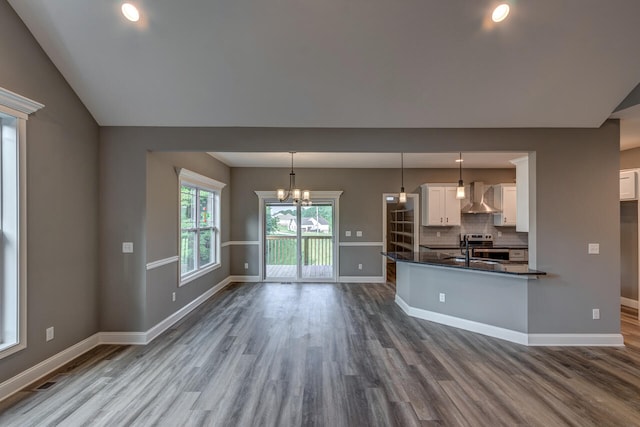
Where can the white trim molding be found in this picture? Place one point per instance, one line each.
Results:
(467, 325)
(23, 379)
(17, 105)
(361, 279)
(244, 279)
(159, 263)
(33, 374)
(628, 302)
(240, 243)
(319, 195)
(200, 180)
(361, 244)
(576, 340)
(559, 340)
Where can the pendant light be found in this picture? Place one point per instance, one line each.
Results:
(460, 190)
(403, 195)
(296, 195)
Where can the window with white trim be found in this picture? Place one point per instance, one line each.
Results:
(199, 225)
(14, 111)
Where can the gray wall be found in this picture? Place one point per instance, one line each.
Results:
(360, 205)
(629, 159)
(498, 300)
(629, 249)
(572, 165)
(162, 224)
(62, 214)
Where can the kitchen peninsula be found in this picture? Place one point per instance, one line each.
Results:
(482, 296)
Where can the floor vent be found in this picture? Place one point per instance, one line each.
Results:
(45, 386)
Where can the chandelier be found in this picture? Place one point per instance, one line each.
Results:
(297, 196)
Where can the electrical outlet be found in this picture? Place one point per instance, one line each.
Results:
(359, 266)
(246, 265)
(437, 234)
(596, 313)
(594, 248)
(49, 333)
(499, 233)
(173, 296)
(442, 297)
(358, 233)
(127, 247)
(347, 233)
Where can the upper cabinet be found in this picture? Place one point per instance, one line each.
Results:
(628, 188)
(522, 193)
(439, 205)
(504, 199)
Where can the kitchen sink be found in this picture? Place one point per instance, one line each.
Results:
(473, 261)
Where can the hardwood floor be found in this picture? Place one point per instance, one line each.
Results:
(333, 355)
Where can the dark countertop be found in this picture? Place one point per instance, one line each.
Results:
(436, 246)
(443, 260)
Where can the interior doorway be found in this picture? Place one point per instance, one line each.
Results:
(400, 230)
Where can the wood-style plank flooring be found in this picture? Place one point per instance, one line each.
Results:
(271, 354)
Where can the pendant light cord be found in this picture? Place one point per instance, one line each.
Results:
(402, 172)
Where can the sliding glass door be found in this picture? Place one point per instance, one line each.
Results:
(299, 242)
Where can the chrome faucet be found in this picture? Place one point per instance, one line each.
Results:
(466, 251)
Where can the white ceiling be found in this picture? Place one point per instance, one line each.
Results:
(367, 160)
(336, 63)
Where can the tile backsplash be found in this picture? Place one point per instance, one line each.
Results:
(473, 223)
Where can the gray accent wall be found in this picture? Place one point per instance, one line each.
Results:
(567, 168)
(629, 249)
(162, 223)
(62, 201)
(629, 159)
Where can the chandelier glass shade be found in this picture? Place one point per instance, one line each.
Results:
(297, 196)
(460, 194)
(403, 195)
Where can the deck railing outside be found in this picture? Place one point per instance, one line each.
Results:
(316, 250)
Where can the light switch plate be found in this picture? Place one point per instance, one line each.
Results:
(127, 247)
(49, 333)
(594, 248)
(347, 233)
(358, 233)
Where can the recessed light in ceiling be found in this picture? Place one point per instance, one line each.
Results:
(130, 12)
(500, 13)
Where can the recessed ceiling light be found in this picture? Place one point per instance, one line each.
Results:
(500, 13)
(130, 12)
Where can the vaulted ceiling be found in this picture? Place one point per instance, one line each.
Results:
(343, 63)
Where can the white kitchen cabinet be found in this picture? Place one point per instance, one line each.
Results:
(439, 205)
(505, 199)
(522, 193)
(628, 187)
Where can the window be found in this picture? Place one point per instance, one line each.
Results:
(14, 111)
(199, 225)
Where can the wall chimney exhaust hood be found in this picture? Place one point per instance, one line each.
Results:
(477, 204)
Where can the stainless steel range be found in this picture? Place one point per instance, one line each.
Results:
(481, 246)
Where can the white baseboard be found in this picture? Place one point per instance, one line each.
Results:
(628, 302)
(23, 379)
(576, 340)
(244, 279)
(561, 340)
(361, 279)
(468, 325)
